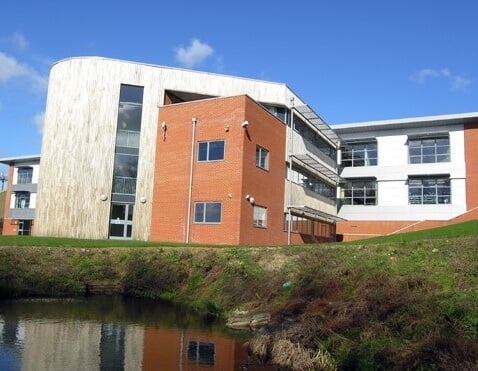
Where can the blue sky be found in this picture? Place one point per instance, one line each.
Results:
(350, 60)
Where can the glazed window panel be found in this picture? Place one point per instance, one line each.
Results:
(25, 175)
(428, 150)
(126, 165)
(211, 151)
(260, 216)
(22, 200)
(360, 192)
(359, 154)
(201, 353)
(429, 191)
(313, 137)
(262, 158)
(207, 212)
(131, 94)
(311, 182)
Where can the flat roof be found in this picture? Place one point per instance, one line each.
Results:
(460, 118)
(19, 159)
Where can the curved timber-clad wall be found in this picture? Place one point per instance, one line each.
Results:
(78, 147)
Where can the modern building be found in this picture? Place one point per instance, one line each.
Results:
(407, 174)
(145, 152)
(154, 153)
(21, 194)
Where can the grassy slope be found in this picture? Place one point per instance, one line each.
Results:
(404, 301)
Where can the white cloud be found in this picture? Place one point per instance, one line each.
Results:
(195, 53)
(11, 69)
(460, 83)
(39, 121)
(457, 82)
(19, 41)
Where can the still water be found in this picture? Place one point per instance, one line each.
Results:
(113, 333)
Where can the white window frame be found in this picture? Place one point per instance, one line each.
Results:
(262, 161)
(259, 216)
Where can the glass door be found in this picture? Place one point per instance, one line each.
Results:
(121, 221)
(24, 227)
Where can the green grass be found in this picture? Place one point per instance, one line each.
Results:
(75, 242)
(469, 228)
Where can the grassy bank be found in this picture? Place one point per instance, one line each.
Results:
(407, 302)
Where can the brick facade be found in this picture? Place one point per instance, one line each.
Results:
(227, 181)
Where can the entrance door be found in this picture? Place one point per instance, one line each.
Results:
(24, 227)
(121, 221)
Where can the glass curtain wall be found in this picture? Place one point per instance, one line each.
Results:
(126, 161)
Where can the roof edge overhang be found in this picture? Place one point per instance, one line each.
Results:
(308, 162)
(311, 213)
(19, 159)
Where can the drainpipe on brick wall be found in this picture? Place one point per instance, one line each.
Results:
(193, 138)
(291, 149)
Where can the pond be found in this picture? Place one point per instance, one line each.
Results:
(114, 333)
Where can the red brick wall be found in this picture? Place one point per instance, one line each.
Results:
(222, 181)
(471, 158)
(9, 226)
(266, 186)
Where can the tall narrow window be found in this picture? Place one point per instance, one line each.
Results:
(125, 168)
(211, 151)
(262, 158)
(127, 140)
(260, 216)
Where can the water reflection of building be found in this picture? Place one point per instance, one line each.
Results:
(81, 345)
(188, 350)
(58, 344)
(11, 335)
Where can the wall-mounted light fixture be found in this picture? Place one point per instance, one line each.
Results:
(142, 200)
(226, 128)
(103, 197)
(250, 199)
(165, 130)
(245, 124)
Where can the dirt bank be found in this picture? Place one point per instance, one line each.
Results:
(395, 306)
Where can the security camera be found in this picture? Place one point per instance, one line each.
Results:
(245, 124)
